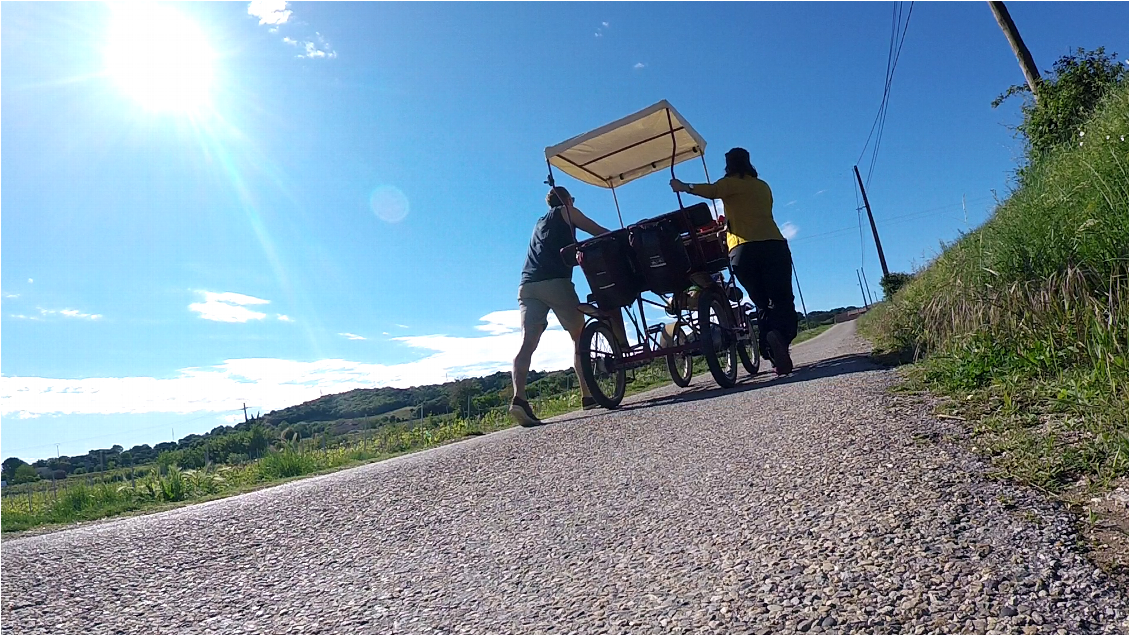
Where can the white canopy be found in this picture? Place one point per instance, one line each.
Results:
(628, 148)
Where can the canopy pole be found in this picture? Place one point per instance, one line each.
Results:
(674, 152)
(713, 202)
(617, 202)
(569, 217)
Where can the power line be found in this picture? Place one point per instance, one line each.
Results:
(898, 33)
(891, 220)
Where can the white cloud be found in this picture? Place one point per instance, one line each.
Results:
(460, 356)
(283, 318)
(319, 49)
(401, 326)
(501, 322)
(23, 317)
(67, 313)
(789, 230)
(228, 307)
(793, 202)
(30, 281)
(269, 11)
(351, 336)
(600, 30)
(819, 192)
(274, 12)
(267, 384)
(639, 65)
(74, 313)
(11, 295)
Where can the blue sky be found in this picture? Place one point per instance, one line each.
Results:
(206, 205)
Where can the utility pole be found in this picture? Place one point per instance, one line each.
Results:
(801, 296)
(1027, 64)
(867, 285)
(245, 412)
(860, 281)
(874, 231)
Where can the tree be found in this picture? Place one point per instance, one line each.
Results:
(10, 465)
(893, 282)
(1069, 94)
(259, 441)
(24, 474)
(462, 395)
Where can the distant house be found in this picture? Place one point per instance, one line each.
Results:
(850, 315)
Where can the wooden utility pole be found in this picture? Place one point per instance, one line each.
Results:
(875, 232)
(245, 412)
(1022, 55)
(867, 285)
(802, 306)
(860, 281)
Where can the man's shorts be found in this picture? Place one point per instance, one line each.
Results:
(537, 298)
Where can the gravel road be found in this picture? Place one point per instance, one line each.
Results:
(816, 503)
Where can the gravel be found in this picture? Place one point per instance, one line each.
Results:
(816, 503)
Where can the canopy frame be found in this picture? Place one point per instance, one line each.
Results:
(588, 146)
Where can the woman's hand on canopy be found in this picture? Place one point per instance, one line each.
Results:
(679, 186)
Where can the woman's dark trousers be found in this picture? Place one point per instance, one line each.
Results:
(765, 269)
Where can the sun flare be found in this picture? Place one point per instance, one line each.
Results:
(160, 58)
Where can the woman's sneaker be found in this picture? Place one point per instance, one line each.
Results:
(781, 359)
(521, 411)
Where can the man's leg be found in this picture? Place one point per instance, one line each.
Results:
(534, 313)
(575, 332)
(531, 336)
(564, 304)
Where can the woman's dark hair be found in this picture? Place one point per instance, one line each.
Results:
(557, 196)
(737, 163)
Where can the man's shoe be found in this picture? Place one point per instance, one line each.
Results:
(781, 359)
(589, 403)
(521, 411)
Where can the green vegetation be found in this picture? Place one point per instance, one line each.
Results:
(893, 282)
(1022, 324)
(809, 334)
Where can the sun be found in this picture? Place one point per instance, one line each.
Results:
(160, 58)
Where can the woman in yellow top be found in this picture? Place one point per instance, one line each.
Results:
(759, 254)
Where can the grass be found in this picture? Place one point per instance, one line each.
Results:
(809, 334)
(1022, 324)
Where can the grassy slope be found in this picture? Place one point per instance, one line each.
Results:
(1023, 322)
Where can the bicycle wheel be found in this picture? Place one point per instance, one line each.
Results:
(749, 351)
(680, 365)
(715, 328)
(600, 355)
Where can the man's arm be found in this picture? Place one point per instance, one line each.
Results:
(580, 221)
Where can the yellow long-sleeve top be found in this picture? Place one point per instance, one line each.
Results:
(749, 208)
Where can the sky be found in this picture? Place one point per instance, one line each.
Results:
(206, 206)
